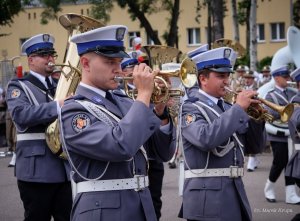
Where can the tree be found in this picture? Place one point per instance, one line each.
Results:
(243, 18)
(235, 23)
(296, 13)
(253, 38)
(139, 10)
(217, 10)
(8, 9)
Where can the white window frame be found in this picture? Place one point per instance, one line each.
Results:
(194, 37)
(259, 34)
(277, 26)
(131, 35)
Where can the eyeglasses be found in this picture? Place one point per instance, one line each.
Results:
(45, 56)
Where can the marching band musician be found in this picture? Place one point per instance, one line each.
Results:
(108, 135)
(237, 80)
(250, 84)
(42, 176)
(214, 134)
(156, 167)
(280, 95)
(265, 75)
(293, 167)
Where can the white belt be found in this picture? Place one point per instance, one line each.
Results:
(232, 172)
(137, 183)
(31, 136)
(297, 146)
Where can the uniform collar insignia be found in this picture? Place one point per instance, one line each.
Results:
(97, 100)
(210, 103)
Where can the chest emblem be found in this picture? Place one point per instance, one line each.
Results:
(189, 118)
(15, 93)
(80, 122)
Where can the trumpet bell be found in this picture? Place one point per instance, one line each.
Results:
(188, 73)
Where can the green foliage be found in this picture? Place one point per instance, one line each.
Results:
(263, 62)
(296, 13)
(8, 9)
(245, 60)
(101, 9)
(243, 11)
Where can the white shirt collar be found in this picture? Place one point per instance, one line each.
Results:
(97, 90)
(41, 78)
(280, 88)
(214, 99)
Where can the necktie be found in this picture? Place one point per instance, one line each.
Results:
(285, 93)
(50, 86)
(220, 104)
(109, 97)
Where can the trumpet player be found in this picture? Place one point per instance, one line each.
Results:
(108, 136)
(250, 84)
(42, 176)
(280, 95)
(214, 135)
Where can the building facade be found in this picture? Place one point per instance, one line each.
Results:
(273, 19)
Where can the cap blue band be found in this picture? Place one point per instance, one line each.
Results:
(280, 73)
(87, 46)
(196, 53)
(133, 61)
(202, 65)
(38, 46)
(297, 78)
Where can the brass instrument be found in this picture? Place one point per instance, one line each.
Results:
(71, 75)
(259, 114)
(236, 46)
(187, 74)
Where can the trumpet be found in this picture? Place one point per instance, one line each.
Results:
(260, 114)
(187, 74)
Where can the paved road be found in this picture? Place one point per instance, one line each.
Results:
(11, 206)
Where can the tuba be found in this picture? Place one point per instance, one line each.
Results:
(71, 75)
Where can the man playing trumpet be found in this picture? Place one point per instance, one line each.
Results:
(108, 135)
(214, 135)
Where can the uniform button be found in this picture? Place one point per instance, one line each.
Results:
(97, 203)
(241, 120)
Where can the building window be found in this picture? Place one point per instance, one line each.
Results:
(193, 36)
(81, 11)
(22, 40)
(87, 11)
(277, 31)
(29, 16)
(34, 15)
(132, 35)
(149, 39)
(260, 32)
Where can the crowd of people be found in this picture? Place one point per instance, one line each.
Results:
(116, 144)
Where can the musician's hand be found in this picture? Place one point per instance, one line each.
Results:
(143, 79)
(245, 98)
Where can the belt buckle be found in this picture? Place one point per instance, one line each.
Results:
(234, 171)
(141, 182)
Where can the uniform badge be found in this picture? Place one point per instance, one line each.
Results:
(189, 118)
(134, 54)
(46, 37)
(80, 122)
(210, 103)
(120, 32)
(15, 93)
(97, 100)
(227, 53)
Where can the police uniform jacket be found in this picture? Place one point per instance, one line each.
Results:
(95, 144)
(216, 198)
(293, 166)
(288, 95)
(35, 162)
